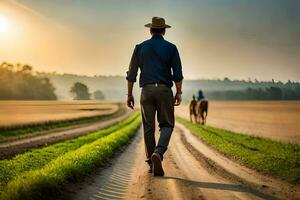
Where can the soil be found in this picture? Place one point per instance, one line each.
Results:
(277, 120)
(192, 171)
(11, 148)
(22, 113)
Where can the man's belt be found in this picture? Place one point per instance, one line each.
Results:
(156, 85)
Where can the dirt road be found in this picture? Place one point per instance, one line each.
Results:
(192, 171)
(11, 148)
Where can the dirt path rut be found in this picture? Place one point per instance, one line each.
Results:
(11, 148)
(187, 176)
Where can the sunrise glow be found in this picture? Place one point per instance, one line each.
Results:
(4, 24)
(87, 37)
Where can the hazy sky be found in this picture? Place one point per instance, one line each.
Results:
(216, 38)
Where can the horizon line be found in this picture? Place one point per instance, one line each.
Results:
(248, 79)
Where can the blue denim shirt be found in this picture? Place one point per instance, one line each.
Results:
(158, 60)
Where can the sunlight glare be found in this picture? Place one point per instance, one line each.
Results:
(4, 25)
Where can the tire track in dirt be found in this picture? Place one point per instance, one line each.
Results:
(110, 182)
(204, 180)
(9, 149)
(186, 177)
(262, 185)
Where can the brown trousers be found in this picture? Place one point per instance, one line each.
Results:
(157, 101)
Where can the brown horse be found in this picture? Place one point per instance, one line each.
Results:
(193, 109)
(201, 110)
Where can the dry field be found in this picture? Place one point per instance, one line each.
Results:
(278, 120)
(27, 112)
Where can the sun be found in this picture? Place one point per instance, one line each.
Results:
(4, 25)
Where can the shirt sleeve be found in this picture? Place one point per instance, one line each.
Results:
(133, 66)
(176, 67)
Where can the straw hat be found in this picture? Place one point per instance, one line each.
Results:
(157, 22)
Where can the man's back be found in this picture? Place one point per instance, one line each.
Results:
(158, 60)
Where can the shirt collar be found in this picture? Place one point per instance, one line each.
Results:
(157, 36)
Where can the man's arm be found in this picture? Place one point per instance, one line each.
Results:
(178, 87)
(130, 99)
(177, 76)
(131, 77)
(129, 88)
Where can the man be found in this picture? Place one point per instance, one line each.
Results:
(200, 95)
(160, 66)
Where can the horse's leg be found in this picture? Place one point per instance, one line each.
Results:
(202, 117)
(205, 117)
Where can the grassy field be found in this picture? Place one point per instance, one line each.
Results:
(20, 130)
(39, 173)
(277, 120)
(271, 157)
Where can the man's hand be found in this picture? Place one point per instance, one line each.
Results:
(130, 101)
(177, 99)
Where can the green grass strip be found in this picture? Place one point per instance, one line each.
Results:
(23, 130)
(46, 182)
(38, 158)
(274, 158)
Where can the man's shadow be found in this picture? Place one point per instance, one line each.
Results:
(223, 186)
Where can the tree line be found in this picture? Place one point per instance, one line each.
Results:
(269, 93)
(80, 91)
(20, 82)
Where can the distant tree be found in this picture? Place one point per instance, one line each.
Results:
(80, 91)
(27, 69)
(275, 93)
(98, 94)
(18, 82)
(226, 79)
